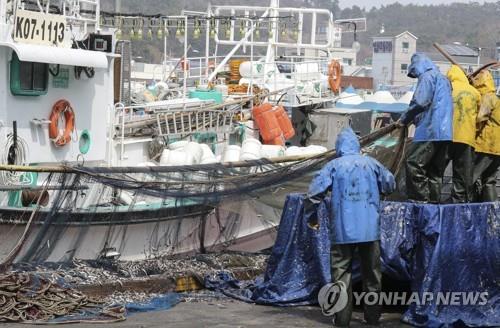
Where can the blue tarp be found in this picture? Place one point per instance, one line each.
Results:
(297, 268)
(159, 303)
(438, 248)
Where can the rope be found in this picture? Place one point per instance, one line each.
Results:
(30, 298)
(27, 230)
(9, 178)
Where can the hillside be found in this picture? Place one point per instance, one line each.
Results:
(475, 24)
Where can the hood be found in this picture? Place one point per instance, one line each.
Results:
(347, 143)
(484, 83)
(420, 64)
(455, 74)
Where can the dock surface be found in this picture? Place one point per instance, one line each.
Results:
(231, 314)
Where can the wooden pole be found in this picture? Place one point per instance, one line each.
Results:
(486, 66)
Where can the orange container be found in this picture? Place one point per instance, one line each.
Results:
(284, 122)
(267, 123)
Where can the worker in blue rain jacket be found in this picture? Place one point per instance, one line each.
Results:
(355, 182)
(431, 109)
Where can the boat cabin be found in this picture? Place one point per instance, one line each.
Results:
(56, 79)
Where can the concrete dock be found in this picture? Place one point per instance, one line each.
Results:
(231, 314)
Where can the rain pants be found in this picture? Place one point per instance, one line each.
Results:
(466, 101)
(356, 182)
(431, 109)
(488, 139)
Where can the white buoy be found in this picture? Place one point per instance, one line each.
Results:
(232, 153)
(293, 151)
(272, 151)
(194, 149)
(164, 156)
(250, 149)
(314, 150)
(208, 156)
(179, 158)
(178, 145)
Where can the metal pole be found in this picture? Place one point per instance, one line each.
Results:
(207, 45)
(164, 53)
(233, 51)
(185, 67)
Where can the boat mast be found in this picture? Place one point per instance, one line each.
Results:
(273, 37)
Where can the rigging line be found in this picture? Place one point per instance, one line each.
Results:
(27, 231)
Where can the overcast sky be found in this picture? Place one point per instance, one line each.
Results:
(370, 3)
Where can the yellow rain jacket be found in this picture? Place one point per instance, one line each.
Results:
(488, 139)
(466, 102)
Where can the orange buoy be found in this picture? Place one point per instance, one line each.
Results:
(185, 64)
(61, 137)
(284, 122)
(334, 75)
(267, 123)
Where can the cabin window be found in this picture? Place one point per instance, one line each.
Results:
(28, 78)
(406, 47)
(404, 68)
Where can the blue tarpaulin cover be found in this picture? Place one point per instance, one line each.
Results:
(159, 303)
(438, 248)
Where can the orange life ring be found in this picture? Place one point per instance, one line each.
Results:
(58, 136)
(334, 75)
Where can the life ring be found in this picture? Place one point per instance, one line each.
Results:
(334, 75)
(61, 137)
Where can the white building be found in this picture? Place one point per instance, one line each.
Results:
(391, 58)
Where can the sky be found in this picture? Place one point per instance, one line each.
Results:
(370, 3)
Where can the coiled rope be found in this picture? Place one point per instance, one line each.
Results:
(31, 298)
(20, 157)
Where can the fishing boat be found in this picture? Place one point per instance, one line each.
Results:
(67, 111)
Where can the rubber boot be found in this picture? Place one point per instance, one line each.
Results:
(462, 156)
(489, 193)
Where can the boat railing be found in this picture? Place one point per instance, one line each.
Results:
(306, 75)
(85, 13)
(173, 119)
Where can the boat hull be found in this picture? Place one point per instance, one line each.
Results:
(248, 225)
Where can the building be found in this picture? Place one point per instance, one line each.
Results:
(496, 73)
(468, 58)
(391, 58)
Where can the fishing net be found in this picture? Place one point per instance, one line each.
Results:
(150, 211)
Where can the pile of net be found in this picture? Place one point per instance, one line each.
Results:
(30, 298)
(224, 180)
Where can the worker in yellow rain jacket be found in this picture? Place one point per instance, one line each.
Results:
(466, 101)
(488, 138)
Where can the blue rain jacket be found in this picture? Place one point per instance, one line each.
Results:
(432, 105)
(356, 182)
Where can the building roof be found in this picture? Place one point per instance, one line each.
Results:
(459, 50)
(406, 32)
(387, 36)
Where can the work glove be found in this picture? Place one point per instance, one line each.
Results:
(311, 205)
